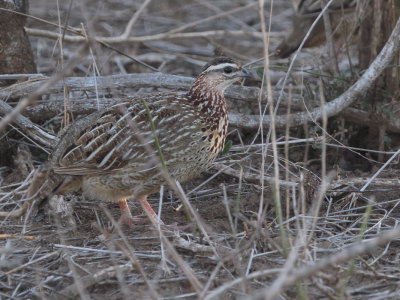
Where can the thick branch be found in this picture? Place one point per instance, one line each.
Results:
(146, 38)
(111, 83)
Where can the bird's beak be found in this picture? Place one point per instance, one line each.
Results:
(245, 73)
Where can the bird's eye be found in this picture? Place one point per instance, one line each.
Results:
(228, 70)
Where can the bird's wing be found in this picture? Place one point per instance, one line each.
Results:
(120, 136)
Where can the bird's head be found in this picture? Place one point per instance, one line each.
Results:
(221, 72)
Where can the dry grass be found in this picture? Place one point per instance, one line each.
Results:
(331, 236)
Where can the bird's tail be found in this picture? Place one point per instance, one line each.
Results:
(44, 182)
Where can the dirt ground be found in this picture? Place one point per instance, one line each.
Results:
(76, 248)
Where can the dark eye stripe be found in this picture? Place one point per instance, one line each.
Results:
(220, 67)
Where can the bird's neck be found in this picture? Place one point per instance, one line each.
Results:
(208, 98)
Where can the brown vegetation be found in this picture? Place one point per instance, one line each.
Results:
(303, 204)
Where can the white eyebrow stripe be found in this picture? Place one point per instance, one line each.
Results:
(221, 66)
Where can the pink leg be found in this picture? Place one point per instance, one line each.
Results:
(146, 206)
(126, 212)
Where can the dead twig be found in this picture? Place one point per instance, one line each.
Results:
(357, 181)
(31, 129)
(17, 236)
